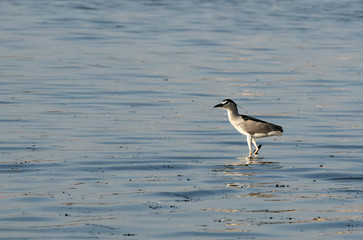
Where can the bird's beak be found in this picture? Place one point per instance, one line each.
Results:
(218, 105)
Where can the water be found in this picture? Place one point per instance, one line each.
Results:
(108, 130)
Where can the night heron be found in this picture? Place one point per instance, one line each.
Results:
(251, 127)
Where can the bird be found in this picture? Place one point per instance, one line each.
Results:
(251, 127)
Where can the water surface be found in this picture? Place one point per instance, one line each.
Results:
(108, 130)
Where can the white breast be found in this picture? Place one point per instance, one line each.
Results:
(236, 121)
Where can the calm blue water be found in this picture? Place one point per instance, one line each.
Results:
(107, 128)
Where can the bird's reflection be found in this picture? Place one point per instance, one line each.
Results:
(256, 160)
(247, 166)
(250, 173)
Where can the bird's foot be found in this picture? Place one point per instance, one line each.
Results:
(258, 149)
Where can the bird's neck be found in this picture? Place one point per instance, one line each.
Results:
(232, 112)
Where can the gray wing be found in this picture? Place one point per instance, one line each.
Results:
(253, 125)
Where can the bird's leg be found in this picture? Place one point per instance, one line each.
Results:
(257, 147)
(249, 139)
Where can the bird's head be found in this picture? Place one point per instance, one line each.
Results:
(226, 103)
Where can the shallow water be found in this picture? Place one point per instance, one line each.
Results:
(108, 130)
